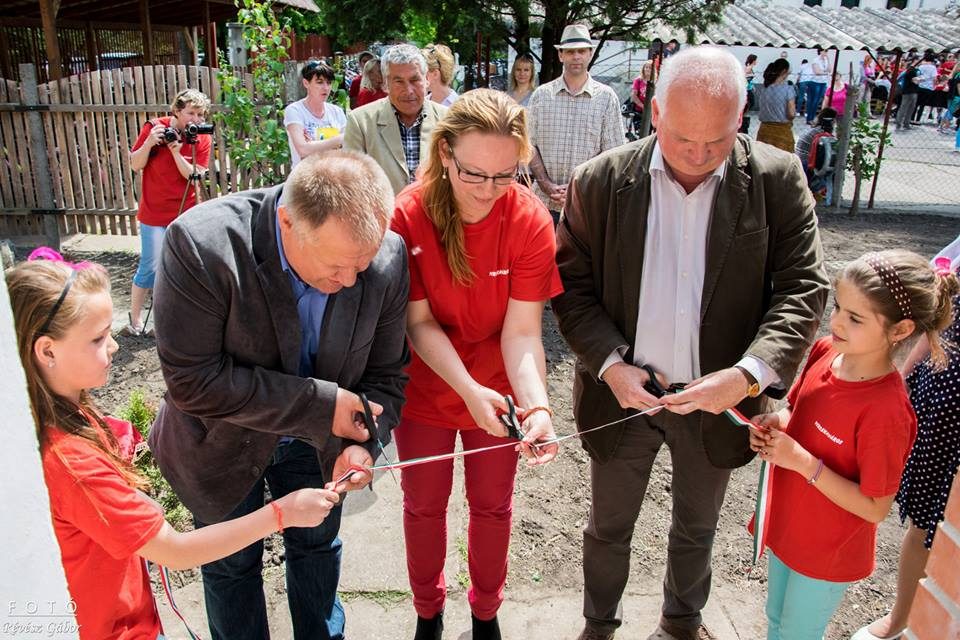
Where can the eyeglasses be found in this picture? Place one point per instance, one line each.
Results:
(501, 180)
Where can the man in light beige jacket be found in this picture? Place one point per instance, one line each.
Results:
(395, 131)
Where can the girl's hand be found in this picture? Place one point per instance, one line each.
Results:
(758, 438)
(538, 428)
(174, 146)
(307, 507)
(483, 405)
(783, 451)
(768, 421)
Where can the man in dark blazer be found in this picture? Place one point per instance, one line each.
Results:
(693, 256)
(274, 309)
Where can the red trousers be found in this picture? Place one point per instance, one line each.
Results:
(426, 490)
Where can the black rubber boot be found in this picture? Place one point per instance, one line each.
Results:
(486, 629)
(429, 628)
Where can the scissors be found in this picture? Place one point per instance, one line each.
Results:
(370, 422)
(657, 390)
(349, 473)
(511, 421)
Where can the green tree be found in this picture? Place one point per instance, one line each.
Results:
(626, 20)
(862, 157)
(252, 120)
(348, 22)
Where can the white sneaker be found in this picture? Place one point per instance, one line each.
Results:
(864, 634)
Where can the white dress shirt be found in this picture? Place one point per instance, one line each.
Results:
(671, 289)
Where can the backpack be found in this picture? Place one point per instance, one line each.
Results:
(820, 157)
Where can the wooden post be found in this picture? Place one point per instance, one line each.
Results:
(184, 46)
(647, 112)
(6, 68)
(147, 31)
(833, 77)
(850, 113)
(486, 62)
(195, 38)
(211, 37)
(292, 86)
(479, 54)
(886, 124)
(38, 149)
(48, 16)
(93, 60)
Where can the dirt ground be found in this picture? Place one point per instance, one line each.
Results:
(552, 502)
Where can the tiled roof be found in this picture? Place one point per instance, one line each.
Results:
(753, 22)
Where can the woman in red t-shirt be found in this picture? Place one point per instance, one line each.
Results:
(103, 523)
(840, 446)
(371, 84)
(481, 254)
(167, 164)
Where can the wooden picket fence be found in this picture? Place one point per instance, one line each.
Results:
(66, 147)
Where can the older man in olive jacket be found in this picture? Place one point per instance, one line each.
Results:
(692, 256)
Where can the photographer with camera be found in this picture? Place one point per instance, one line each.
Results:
(173, 153)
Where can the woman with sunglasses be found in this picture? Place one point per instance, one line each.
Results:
(481, 253)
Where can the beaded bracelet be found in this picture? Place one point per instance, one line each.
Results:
(816, 474)
(533, 410)
(276, 510)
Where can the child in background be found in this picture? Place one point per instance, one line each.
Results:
(841, 444)
(103, 523)
(932, 465)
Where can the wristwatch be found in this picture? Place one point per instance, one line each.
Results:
(753, 390)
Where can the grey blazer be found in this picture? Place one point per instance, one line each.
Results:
(764, 289)
(373, 129)
(228, 337)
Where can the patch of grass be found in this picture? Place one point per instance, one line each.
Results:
(141, 414)
(463, 576)
(384, 597)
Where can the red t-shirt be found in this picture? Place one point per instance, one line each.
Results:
(863, 431)
(366, 96)
(163, 186)
(100, 521)
(355, 87)
(511, 255)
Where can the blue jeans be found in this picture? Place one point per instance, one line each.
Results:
(233, 586)
(802, 95)
(151, 242)
(798, 607)
(956, 142)
(815, 93)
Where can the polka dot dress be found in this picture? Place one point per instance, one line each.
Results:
(936, 454)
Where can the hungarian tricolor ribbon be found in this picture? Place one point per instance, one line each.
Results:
(761, 509)
(400, 464)
(168, 591)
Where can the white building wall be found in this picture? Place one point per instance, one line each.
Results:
(34, 602)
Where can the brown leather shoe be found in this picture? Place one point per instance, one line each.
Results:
(668, 631)
(589, 633)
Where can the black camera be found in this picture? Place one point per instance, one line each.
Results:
(191, 131)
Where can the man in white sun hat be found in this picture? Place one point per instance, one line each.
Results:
(572, 119)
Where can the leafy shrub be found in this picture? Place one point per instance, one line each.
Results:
(141, 414)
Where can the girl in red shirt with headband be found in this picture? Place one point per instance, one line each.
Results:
(840, 446)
